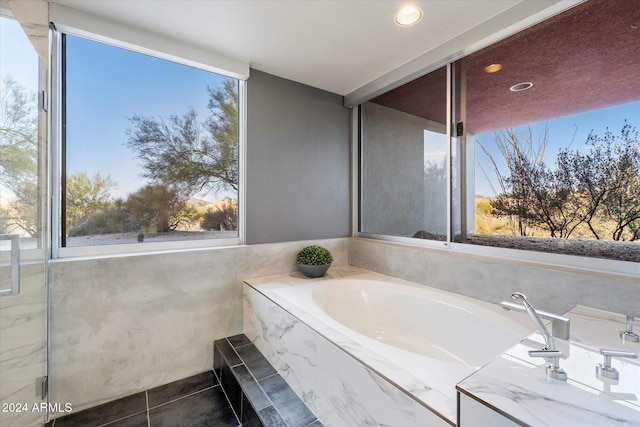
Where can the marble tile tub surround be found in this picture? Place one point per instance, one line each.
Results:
(491, 279)
(124, 324)
(337, 387)
(516, 385)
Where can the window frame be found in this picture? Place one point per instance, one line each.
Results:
(57, 155)
(546, 259)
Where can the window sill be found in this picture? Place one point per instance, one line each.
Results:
(553, 260)
(143, 248)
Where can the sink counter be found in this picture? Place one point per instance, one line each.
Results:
(515, 385)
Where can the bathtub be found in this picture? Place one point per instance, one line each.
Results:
(421, 339)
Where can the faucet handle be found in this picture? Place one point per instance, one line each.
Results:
(545, 353)
(605, 369)
(628, 334)
(553, 368)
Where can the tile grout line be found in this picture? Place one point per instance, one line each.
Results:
(243, 397)
(120, 419)
(146, 395)
(222, 388)
(230, 405)
(237, 354)
(184, 397)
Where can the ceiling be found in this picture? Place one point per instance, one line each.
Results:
(338, 46)
(583, 59)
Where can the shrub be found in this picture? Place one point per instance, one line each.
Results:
(112, 219)
(158, 208)
(224, 217)
(314, 255)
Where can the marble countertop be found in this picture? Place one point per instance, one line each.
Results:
(516, 385)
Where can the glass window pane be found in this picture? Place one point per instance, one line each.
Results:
(404, 160)
(18, 136)
(151, 148)
(553, 115)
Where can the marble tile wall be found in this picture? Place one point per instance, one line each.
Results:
(550, 288)
(338, 389)
(123, 324)
(22, 347)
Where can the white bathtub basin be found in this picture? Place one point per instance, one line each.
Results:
(420, 319)
(422, 339)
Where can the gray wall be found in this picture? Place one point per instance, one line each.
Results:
(392, 172)
(555, 289)
(397, 199)
(298, 161)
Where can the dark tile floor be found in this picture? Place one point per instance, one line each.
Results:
(193, 402)
(249, 384)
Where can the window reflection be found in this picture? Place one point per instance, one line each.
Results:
(545, 155)
(404, 161)
(19, 209)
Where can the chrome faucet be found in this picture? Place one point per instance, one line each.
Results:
(605, 369)
(549, 352)
(560, 325)
(549, 343)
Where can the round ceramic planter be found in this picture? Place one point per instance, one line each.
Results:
(314, 270)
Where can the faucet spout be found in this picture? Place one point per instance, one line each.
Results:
(560, 325)
(548, 339)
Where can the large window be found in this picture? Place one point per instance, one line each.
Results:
(150, 149)
(544, 151)
(404, 161)
(20, 162)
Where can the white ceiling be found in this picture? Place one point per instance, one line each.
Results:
(338, 46)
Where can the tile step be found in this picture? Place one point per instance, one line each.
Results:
(259, 396)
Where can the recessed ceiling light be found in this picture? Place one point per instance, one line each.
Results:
(493, 68)
(520, 86)
(408, 16)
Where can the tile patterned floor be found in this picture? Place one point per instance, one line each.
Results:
(193, 402)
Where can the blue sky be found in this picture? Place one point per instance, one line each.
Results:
(18, 58)
(563, 131)
(106, 86)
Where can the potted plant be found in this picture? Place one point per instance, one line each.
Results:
(314, 261)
